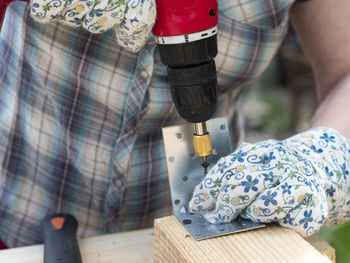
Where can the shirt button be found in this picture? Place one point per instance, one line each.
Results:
(144, 74)
(118, 182)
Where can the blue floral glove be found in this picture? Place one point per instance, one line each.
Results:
(301, 182)
(132, 19)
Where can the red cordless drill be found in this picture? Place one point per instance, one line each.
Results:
(185, 32)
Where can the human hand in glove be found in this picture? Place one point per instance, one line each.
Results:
(300, 182)
(132, 20)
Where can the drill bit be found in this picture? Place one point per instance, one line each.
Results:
(205, 164)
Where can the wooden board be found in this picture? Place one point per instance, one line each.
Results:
(269, 244)
(322, 246)
(128, 247)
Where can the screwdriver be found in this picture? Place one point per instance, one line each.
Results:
(60, 242)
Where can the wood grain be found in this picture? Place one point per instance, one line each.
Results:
(126, 247)
(137, 246)
(322, 246)
(269, 244)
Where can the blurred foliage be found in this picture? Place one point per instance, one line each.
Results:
(276, 118)
(339, 238)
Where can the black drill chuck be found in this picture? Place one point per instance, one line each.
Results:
(192, 77)
(194, 91)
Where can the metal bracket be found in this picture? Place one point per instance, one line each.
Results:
(185, 172)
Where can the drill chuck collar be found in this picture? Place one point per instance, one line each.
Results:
(192, 77)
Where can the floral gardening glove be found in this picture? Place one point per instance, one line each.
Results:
(132, 19)
(300, 182)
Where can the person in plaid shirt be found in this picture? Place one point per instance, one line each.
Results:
(81, 113)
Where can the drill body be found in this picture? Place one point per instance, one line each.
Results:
(185, 32)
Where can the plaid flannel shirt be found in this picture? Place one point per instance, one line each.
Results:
(81, 118)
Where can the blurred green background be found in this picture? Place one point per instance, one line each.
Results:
(281, 103)
(339, 238)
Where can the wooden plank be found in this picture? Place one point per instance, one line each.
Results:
(126, 247)
(129, 247)
(270, 244)
(322, 246)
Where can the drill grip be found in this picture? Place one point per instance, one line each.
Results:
(60, 242)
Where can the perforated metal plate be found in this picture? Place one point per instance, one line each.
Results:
(185, 172)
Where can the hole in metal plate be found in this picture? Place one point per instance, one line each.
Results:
(187, 221)
(177, 202)
(179, 135)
